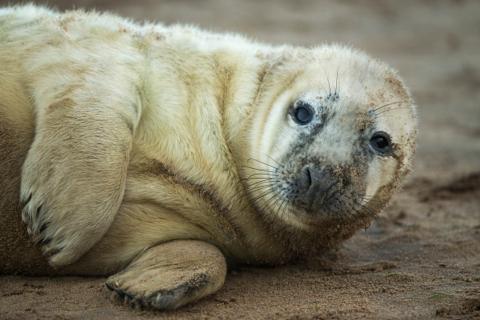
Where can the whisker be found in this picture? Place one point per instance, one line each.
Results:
(255, 179)
(252, 159)
(336, 82)
(388, 104)
(274, 201)
(261, 185)
(279, 211)
(330, 188)
(262, 195)
(267, 181)
(274, 160)
(388, 110)
(267, 202)
(354, 204)
(254, 201)
(261, 174)
(284, 207)
(261, 178)
(329, 85)
(257, 176)
(280, 201)
(260, 188)
(258, 184)
(259, 169)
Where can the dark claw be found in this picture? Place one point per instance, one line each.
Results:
(124, 296)
(137, 305)
(43, 227)
(26, 201)
(128, 295)
(45, 241)
(120, 293)
(38, 211)
(109, 286)
(52, 252)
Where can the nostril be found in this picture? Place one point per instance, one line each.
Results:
(308, 177)
(305, 180)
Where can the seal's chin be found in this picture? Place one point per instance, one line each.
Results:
(333, 203)
(337, 208)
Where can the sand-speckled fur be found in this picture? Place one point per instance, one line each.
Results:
(146, 131)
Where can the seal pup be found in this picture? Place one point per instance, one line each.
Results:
(156, 154)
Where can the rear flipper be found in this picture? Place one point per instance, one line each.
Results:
(171, 275)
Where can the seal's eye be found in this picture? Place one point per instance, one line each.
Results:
(302, 113)
(381, 142)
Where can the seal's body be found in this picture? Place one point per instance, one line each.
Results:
(168, 149)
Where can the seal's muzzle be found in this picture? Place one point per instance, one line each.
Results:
(316, 187)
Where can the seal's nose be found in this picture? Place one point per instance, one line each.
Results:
(314, 184)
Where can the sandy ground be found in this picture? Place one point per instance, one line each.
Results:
(421, 258)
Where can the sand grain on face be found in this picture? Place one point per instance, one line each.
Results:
(421, 257)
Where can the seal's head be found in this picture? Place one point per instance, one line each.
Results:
(332, 134)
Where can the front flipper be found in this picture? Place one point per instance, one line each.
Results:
(73, 178)
(171, 275)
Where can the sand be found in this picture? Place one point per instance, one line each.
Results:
(421, 258)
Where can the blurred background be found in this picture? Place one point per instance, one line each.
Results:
(421, 257)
